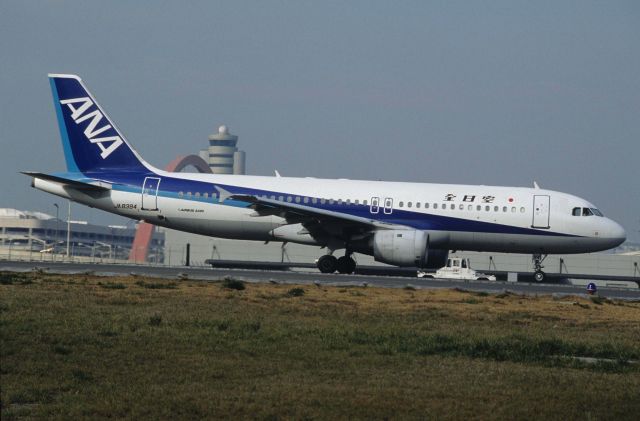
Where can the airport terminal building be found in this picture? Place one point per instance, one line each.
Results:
(25, 232)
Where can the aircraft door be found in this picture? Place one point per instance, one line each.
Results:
(150, 193)
(388, 205)
(375, 205)
(541, 211)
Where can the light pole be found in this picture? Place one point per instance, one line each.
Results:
(68, 228)
(57, 229)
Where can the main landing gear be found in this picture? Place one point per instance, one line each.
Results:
(330, 264)
(538, 275)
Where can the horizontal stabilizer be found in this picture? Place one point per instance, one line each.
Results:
(82, 184)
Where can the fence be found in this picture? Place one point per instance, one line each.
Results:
(252, 251)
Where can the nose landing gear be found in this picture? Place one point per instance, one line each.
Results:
(538, 275)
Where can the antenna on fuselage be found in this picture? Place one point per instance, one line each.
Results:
(535, 185)
(277, 173)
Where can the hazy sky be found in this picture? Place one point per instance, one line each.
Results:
(501, 92)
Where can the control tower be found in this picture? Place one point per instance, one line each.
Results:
(224, 157)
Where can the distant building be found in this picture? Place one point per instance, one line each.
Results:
(34, 232)
(223, 155)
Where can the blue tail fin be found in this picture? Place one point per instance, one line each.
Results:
(91, 142)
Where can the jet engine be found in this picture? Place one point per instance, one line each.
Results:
(407, 248)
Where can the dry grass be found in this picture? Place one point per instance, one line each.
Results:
(87, 347)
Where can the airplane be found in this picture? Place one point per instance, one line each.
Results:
(398, 223)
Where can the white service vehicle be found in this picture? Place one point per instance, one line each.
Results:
(457, 268)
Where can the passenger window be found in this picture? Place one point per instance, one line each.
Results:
(180, 194)
(356, 202)
(496, 208)
(323, 201)
(435, 206)
(331, 201)
(197, 194)
(426, 205)
(453, 206)
(408, 204)
(522, 209)
(478, 208)
(513, 209)
(306, 200)
(281, 198)
(314, 200)
(289, 199)
(401, 204)
(364, 202)
(470, 208)
(504, 209)
(188, 194)
(487, 208)
(418, 205)
(297, 199)
(461, 207)
(464, 264)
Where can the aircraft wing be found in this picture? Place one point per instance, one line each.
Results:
(297, 211)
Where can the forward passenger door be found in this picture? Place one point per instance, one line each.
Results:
(541, 211)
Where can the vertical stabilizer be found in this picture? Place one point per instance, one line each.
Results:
(91, 142)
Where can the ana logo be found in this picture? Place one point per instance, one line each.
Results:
(78, 107)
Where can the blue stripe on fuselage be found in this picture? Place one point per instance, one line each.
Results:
(170, 187)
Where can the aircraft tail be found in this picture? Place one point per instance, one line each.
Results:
(91, 142)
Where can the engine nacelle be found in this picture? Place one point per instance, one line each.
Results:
(436, 258)
(401, 247)
(407, 248)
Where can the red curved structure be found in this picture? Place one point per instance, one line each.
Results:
(144, 232)
(182, 162)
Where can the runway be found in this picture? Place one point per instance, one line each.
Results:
(311, 277)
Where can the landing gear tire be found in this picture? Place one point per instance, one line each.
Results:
(327, 263)
(346, 265)
(538, 274)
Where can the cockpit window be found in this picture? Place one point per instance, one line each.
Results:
(596, 212)
(586, 212)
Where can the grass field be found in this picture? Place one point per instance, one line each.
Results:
(89, 347)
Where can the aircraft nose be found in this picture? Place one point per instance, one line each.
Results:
(616, 233)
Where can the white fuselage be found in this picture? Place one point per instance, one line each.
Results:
(458, 217)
